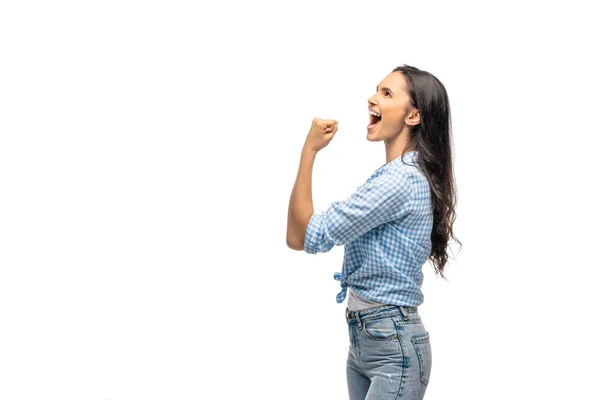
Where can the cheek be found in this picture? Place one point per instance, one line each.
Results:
(394, 116)
(393, 120)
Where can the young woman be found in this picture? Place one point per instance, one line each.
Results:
(398, 219)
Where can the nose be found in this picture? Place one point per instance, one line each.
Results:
(370, 101)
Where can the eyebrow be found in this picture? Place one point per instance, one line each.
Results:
(384, 88)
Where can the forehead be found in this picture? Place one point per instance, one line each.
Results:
(394, 81)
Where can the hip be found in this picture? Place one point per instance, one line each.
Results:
(390, 337)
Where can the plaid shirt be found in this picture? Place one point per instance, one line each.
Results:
(385, 227)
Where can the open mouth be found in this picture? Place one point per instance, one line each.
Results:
(374, 120)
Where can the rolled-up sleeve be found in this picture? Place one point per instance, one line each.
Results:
(384, 198)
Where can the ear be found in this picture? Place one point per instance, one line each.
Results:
(414, 118)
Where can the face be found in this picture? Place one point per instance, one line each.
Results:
(392, 102)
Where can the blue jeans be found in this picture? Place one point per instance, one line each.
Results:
(389, 356)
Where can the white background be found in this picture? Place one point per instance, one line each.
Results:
(148, 151)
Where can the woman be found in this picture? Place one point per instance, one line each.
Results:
(397, 220)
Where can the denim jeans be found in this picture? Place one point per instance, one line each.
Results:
(389, 356)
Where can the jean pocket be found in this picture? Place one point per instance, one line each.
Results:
(380, 328)
(423, 348)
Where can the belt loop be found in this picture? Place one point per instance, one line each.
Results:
(403, 312)
(357, 318)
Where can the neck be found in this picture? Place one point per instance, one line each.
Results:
(394, 147)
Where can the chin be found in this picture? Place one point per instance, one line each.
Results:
(372, 137)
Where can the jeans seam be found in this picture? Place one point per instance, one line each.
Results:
(399, 338)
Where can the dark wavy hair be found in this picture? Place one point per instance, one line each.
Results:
(432, 138)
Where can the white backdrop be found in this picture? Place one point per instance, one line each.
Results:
(148, 151)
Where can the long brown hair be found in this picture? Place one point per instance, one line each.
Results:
(432, 138)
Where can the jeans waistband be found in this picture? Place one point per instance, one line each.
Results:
(383, 311)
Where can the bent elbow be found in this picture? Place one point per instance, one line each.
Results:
(295, 245)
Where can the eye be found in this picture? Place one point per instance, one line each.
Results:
(387, 92)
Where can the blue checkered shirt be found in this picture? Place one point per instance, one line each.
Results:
(385, 227)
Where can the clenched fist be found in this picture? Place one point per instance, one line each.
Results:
(320, 134)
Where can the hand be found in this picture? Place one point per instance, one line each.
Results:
(320, 134)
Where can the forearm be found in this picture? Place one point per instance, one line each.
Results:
(301, 203)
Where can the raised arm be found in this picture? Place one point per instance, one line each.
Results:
(300, 209)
